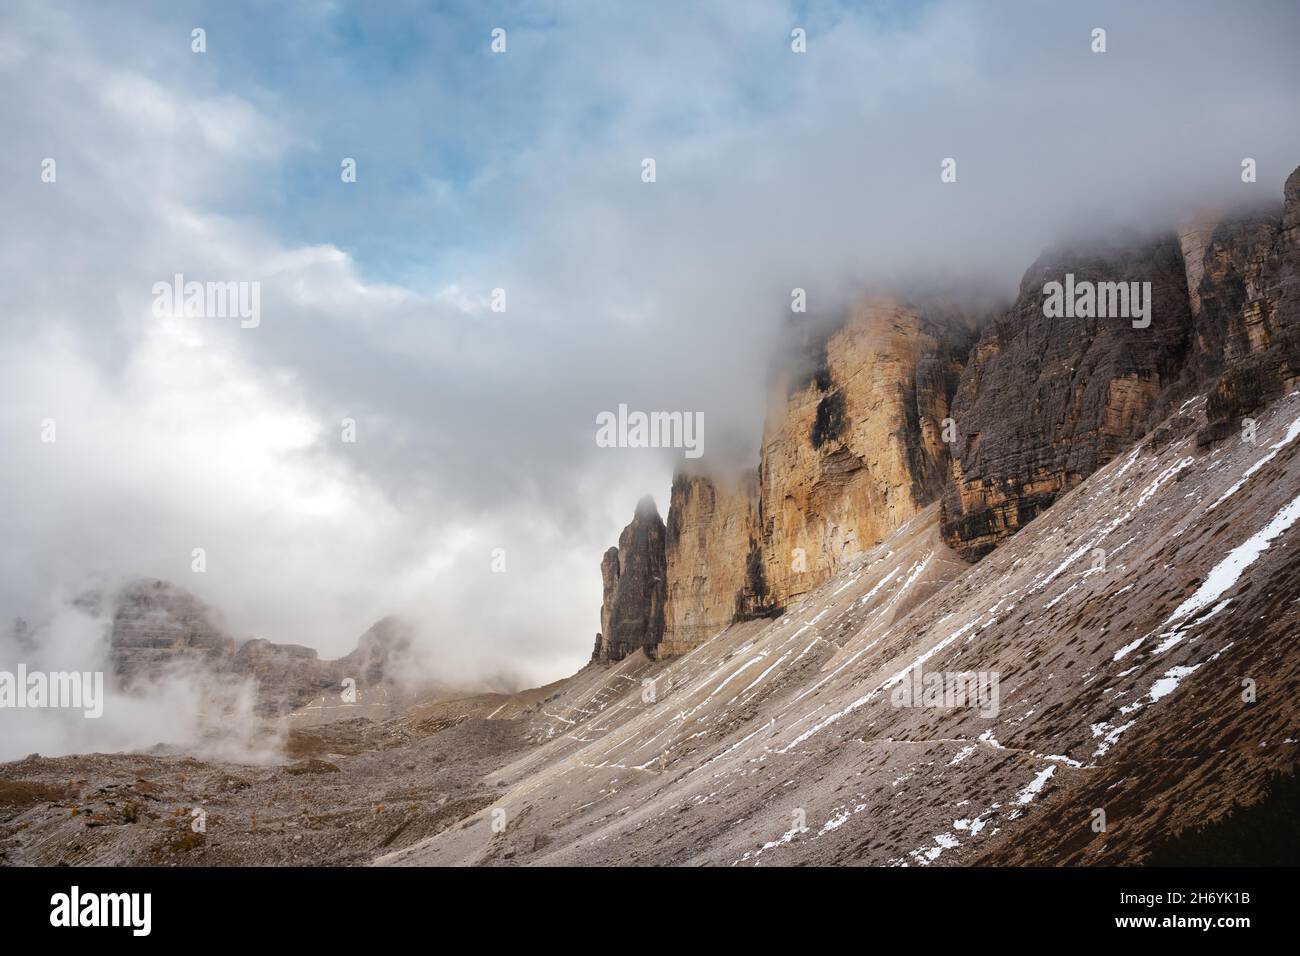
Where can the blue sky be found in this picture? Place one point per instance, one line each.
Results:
(413, 92)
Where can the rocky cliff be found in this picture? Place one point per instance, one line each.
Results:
(857, 448)
(286, 675)
(854, 730)
(856, 443)
(156, 626)
(853, 447)
(713, 559)
(1248, 325)
(635, 586)
(388, 640)
(159, 629)
(1045, 401)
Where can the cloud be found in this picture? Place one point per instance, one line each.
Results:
(186, 709)
(475, 429)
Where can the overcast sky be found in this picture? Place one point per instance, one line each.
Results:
(476, 429)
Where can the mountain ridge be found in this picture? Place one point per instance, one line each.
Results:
(905, 405)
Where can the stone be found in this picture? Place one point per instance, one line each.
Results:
(1248, 327)
(853, 447)
(713, 559)
(159, 630)
(856, 448)
(635, 587)
(1044, 402)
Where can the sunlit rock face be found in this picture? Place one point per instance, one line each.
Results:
(901, 406)
(713, 559)
(857, 447)
(853, 447)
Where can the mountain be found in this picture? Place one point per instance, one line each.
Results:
(159, 629)
(1130, 496)
(1122, 626)
(904, 405)
(854, 450)
(632, 574)
(1016, 591)
(1044, 402)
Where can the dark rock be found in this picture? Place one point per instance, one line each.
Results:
(1044, 402)
(1248, 329)
(635, 587)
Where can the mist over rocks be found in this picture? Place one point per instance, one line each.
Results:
(857, 449)
(852, 449)
(1044, 403)
(779, 171)
(983, 316)
(995, 413)
(1248, 326)
(1046, 400)
(159, 628)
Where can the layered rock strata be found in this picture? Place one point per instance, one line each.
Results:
(1047, 400)
(853, 447)
(1044, 402)
(901, 408)
(1248, 326)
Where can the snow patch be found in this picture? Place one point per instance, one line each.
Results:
(1226, 573)
(1035, 785)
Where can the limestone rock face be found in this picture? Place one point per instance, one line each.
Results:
(853, 447)
(157, 625)
(857, 449)
(287, 675)
(1230, 289)
(1248, 328)
(1194, 239)
(1045, 402)
(713, 559)
(160, 630)
(635, 585)
(378, 652)
(609, 580)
